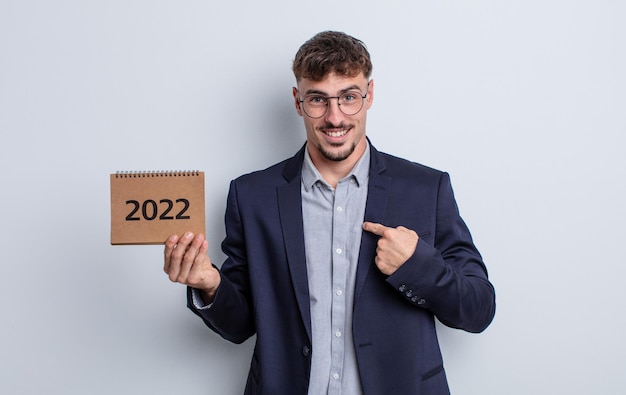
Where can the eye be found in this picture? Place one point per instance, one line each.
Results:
(315, 100)
(348, 97)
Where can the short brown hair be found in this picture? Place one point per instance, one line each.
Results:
(331, 52)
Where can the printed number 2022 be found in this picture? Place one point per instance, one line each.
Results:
(150, 210)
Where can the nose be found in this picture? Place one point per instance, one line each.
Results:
(333, 112)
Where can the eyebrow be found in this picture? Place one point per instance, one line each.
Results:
(322, 93)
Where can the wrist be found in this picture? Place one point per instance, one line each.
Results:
(208, 293)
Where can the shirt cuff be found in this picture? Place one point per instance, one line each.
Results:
(197, 300)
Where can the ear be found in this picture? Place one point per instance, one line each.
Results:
(296, 100)
(370, 94)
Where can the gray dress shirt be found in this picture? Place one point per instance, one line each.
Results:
(332, 236)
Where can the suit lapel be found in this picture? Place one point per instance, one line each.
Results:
(290, 209)
(377, 195)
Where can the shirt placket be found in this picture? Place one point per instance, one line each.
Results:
(340, 264)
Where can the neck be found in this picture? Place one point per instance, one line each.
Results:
(333, 171)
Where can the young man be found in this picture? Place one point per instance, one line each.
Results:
(340, 257)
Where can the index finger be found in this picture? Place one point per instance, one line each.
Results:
(375, 228)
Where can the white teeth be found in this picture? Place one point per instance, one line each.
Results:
(336, 134)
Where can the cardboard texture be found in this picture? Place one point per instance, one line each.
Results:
(148, 207)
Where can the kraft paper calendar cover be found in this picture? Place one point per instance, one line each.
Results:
(148, 207)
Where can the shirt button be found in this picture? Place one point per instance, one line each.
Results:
(340, 209)
(338, 334)
(338, 250)
(339, 292)
(336, 376)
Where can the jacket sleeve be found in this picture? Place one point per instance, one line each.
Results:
(230, 314)
(447, 276)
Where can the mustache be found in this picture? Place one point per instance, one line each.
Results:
(330, 126)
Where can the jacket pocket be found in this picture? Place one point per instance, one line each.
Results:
(432, 373)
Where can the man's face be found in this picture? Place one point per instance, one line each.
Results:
(335, 137)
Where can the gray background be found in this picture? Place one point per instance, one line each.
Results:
(521, 101)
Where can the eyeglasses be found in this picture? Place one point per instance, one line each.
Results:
(349, 102)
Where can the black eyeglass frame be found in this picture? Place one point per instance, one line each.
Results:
(327, 98)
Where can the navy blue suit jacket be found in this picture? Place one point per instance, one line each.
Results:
(264, 288)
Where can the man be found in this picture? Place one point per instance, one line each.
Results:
(339, 258)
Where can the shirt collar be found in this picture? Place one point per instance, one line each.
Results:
(360, 171)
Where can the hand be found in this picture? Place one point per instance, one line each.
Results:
(395, 246)
(187, 262)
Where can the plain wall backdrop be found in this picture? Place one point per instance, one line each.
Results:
(523, 102)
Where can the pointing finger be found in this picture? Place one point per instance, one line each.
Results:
(375, 228)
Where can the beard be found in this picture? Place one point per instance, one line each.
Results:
(337, 156)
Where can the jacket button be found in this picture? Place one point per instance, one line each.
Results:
(409, 293)
(421, 302)
(401, 288)
(306, 351)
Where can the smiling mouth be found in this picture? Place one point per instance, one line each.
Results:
(335, 132)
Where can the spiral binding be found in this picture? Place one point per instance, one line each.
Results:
(156, 173)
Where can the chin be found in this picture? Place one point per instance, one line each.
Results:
(338, 156)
